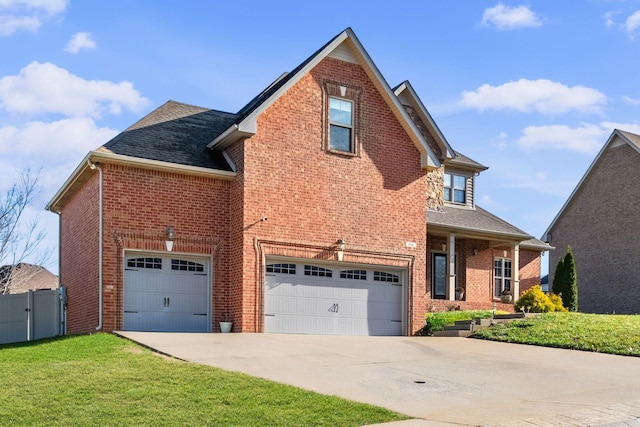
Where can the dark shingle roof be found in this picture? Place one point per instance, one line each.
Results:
(277, 84)
(467, 162)
(175, 133)
(477, 219)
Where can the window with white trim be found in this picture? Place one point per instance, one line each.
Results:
(455, 188)
(341, 106)
(501, 276)
(340, 125)
(184, 265)
(281, 268)
(153, 263)
(382, 276)
(313, 270)
(354, 274)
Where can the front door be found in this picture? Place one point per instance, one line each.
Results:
(439, 276)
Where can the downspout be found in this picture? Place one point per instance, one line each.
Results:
(95, 166)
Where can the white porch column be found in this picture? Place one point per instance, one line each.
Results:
(451, 268)
(515, 271)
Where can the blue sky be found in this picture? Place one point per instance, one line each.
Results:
(530, 89)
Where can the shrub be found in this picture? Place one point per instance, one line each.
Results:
(565, 282)
(535, 300)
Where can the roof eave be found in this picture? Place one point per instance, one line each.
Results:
(614, 134)
(247, 127)
(476, 233)
(427, 118)
(83, 171)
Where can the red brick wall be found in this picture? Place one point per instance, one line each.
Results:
(138, 205)
(375, 201)
(475, 273)
(79, 257)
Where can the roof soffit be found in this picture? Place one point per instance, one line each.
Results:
(345, 41)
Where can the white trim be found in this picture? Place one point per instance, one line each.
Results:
(248, 125)
(336, 267)
(119, 159)
(208, 261)
(610, 140)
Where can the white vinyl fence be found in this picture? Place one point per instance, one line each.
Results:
(32, 315)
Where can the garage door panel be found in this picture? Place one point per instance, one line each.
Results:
(298, 303)
(160, 297)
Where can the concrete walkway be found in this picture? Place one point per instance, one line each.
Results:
(438, 381)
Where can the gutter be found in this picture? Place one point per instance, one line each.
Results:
(95, 166)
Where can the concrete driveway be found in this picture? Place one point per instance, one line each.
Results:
(448, 381)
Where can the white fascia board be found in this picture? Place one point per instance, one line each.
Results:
(69, 182)
(449, 152)
(248, 126)
(428, 159)
(612, 137)
(101, 157)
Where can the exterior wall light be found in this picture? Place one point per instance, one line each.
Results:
(170, 236)
(340, 245)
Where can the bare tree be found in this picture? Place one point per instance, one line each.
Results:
(19, 238)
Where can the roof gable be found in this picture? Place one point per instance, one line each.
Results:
(617, 137)
(343, 46)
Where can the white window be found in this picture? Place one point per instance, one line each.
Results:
(354, 274)
(312, 270)
(153, 263)
(501, 276)
(281, 268)
(341, 125)
(455, 188)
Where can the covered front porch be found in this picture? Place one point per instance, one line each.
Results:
(483, 267)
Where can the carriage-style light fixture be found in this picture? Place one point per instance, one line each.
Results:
(340, 245)
(170, 236)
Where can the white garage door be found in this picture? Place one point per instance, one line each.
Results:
(166, 292)
(308, 298)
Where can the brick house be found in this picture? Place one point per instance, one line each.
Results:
(604, 234)
(304, 212)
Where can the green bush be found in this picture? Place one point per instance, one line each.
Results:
(535, 300)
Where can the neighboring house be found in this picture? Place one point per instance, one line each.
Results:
(600, 223)
(319, 207)
(23, 277)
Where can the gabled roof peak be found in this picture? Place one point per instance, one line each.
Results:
(246, 123)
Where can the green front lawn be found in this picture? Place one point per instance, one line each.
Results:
(105, 380)
(604, 333)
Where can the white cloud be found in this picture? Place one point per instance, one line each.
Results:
(585, 139)
(506, 18)
(632, 24)
(631, 101)
(27, 15)
(46, 88)
(541, 96)
(80, 41)
(56, 147)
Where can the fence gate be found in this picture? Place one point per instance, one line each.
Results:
(32, 315)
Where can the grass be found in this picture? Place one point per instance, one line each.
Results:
(438, 320)
(105, 380)
(604, 333)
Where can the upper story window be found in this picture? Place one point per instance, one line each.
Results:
(340, 125)
(341, 107)
(455, 188)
